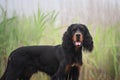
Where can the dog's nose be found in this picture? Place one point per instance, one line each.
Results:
(78, 37)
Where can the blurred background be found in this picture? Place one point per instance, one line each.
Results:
(43, 22)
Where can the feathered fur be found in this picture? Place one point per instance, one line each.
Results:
(53, 60)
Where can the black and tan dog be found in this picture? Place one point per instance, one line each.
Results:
(57, 61)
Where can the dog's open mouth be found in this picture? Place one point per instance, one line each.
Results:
(78, 43)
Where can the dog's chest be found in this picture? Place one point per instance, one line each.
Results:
(75, 58)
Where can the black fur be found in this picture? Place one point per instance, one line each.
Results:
(74, 56)
(88, 42)
(25, 61)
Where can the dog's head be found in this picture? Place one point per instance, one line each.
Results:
(77, 35)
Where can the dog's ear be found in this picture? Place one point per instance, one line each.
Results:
(69, 30)
(88, 41)
(67, 38)
(68, 34)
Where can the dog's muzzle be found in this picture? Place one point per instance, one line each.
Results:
(77, 39)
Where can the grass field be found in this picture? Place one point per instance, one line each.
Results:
(40, 29)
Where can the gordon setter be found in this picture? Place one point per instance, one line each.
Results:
(61, 62)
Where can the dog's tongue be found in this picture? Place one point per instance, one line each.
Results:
(77, 43)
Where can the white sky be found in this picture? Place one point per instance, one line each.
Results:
(29, 7)
(69, 10)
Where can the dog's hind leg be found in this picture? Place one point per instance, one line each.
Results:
(10, 74)
(12, 71)
(3, 77)
(27, 73)
(24, 78)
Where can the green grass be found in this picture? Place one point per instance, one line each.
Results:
(23, 31)
(101, 64)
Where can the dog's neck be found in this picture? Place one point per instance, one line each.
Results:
(78, 55)
(78, 50)
(74, 54)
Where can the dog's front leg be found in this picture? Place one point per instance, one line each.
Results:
(60, 74)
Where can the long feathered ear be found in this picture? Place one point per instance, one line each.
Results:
(67, 39)
(88, 41)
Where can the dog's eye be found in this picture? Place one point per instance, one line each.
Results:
(82, 29)
(74, 29)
